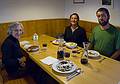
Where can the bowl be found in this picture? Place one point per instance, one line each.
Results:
(71, 45)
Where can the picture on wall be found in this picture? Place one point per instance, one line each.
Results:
(78, 1)
(106, 2)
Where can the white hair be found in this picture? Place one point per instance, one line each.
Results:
(13, 26)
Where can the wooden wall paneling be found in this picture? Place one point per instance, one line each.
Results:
(3, 34)
(87, 26)
(56, 26)
(3, 31)
(60, 26)
(93, 24)
(81, 23)
(63, 25)
(41, 27)
(50, 24)
(29, 28)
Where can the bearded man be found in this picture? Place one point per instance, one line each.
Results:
(105, 37)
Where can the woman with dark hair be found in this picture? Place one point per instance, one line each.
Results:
(73, 32)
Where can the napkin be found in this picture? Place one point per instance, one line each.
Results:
(27, 46)
(49, 60)
(24, 42)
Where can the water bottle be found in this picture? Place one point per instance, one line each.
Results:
(35, 37)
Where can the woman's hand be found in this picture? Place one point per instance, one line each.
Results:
(22, 64)
(22, 61)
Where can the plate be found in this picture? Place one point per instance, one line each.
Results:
(24, 43)
(93, 53)
(33, 48)
(71, 44)
(56, 42)
(64, 66)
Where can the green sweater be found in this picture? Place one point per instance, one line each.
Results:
(105, 41)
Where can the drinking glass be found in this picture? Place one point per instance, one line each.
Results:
(67, 55)
(74, 52)
(44, 45)
(60, 55)
(61, 40)
(60, 52)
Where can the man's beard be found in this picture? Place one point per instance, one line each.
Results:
(103, 23)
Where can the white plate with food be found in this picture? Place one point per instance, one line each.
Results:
(57, 41)
(32, 48)
(64, 66)
(93, 53)
(71, 44)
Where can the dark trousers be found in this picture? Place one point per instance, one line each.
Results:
(39, 75)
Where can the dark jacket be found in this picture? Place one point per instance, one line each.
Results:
(11, 51)
(78, 36)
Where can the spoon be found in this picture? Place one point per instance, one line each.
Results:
(75, 73)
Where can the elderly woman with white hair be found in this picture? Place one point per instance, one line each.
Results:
(13, 58)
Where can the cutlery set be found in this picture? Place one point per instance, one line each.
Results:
(75, 73)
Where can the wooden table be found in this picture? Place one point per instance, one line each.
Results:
(95, 72)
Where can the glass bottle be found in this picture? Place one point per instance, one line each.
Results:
(60, 52)
(84, 59)
(35, 37)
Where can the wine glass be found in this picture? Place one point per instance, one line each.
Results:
(44, 45)
(74, 52)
